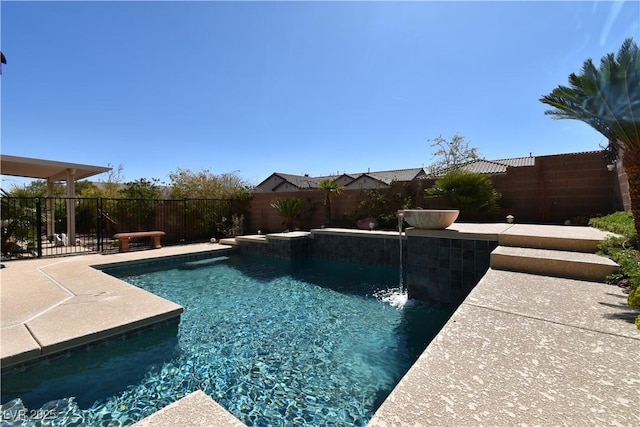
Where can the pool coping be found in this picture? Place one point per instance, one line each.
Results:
(511, 323)
(54, 305)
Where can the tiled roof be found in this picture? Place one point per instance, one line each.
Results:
(308, 182)
(329, 177)
(402, 175)
(384, 176)
(484, 166)
(518, 161)
(302, 182)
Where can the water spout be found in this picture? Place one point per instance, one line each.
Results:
(396, 297)
(400, 219)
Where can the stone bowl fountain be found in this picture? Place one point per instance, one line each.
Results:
(429, 219)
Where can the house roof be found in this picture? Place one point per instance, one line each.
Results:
(489, 167)
(304, 182)
(396, 175)
(299, 181)
(497, 166)
(335, 177)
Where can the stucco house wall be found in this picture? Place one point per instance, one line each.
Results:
(365, 183)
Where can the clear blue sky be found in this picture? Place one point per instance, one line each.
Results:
(295, 87)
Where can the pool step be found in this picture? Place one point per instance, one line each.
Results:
(557, 237)
(551, 262)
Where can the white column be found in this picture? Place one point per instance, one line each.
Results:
(51, 213)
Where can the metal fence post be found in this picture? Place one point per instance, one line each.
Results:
(99, 235)
(184, 223)
(39, 225)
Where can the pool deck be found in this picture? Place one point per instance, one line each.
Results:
(521, 349)
(51, 305)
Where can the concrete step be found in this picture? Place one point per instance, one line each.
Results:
(557, 237)
(572, 265)
(229, 241)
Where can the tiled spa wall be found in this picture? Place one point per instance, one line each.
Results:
(439, 269)
(445, 270)
(375, 248)
(281, 246)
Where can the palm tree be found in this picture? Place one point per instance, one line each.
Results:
(329, 187)
(608, 99)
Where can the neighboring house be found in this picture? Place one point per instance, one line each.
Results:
(343, 179)
(492, 167)
(281, 182)
(383, 179)
(286, 182)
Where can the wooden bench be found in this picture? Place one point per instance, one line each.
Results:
(123, 238)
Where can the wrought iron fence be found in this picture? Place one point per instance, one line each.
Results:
(37, 227)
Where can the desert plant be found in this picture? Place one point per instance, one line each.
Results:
(288, 209)
(237, 225)
(621, 250)
(469, 192)
(379, 206)
(17, 216)
(230, 227)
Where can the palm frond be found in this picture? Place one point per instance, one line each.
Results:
(606, 97)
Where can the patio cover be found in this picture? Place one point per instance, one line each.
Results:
(52, 172)
(46, 169)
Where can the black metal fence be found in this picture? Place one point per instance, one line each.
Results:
(37, 227)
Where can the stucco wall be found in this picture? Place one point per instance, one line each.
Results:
(558, 188)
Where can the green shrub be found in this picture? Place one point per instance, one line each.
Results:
(634, 298)
(619, 222)
(622, 250)
(468, 192)
(383, 206)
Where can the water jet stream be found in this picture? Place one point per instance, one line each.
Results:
(396, 297)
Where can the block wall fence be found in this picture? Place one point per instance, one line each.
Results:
(557, 188)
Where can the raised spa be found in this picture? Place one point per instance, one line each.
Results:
(429, 219)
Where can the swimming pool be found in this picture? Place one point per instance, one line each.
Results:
(274, 342)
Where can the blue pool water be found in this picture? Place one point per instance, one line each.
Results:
(275, 343)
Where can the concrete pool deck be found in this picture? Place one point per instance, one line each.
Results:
(50, 305)
(521, 349)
